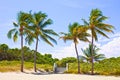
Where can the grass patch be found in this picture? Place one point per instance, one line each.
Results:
(106, 68)
(11, 66)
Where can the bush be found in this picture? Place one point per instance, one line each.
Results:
(109, 66)
(66, 60)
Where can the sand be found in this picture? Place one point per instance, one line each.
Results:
(38, 76)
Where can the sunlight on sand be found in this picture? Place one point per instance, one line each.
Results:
(39, 76)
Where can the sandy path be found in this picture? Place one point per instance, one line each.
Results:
(24, 76)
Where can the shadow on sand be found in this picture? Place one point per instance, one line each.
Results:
(39, 72)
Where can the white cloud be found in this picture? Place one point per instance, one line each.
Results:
(69, 51)
(111, 48)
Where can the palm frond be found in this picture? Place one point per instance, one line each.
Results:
(9, 34)
(50, 32)
(46, 23)
(105, 27)
(88, 55)
(99, 57)
(39, 18)
(86, 52)
(43, 37)
(95, 14)
(51, 39)
(73, 27)
(85, 22)
(62, 33)
(15, 37)
(29, 39)
(66, 38)
(94, 35)
(15, 24)
(82, 57)
(102, 33)
(102, 18)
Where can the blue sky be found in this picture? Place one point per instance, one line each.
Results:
(63, 12)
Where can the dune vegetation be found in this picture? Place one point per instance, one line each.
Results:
(11, 66)
(10, 59)
(109, 66)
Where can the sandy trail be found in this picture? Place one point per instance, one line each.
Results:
(30, 76)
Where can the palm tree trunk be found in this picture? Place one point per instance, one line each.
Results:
(22, 54)
(35, 55)
(92, 69)
(77, 58)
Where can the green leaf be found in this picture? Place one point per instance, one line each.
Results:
(16, 25)
(9, 34)
(15, 37)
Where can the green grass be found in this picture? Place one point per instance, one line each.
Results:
(103, 68)
(10, 66)
(84, 67)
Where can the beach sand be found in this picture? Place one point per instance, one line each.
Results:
(38, 76)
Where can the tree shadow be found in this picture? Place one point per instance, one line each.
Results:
(39, 72)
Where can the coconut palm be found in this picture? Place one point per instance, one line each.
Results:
(20, 26)
(76, 32)
(97, 26)
(38, 25)
(87, 55)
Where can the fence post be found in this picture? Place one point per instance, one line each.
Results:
(54, 68)
(67, 66)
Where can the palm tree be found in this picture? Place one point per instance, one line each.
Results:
(76, 32)
(88, 55)
(20, 26)
(39, 22)
(97, 26)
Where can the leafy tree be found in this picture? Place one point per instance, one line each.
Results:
(3, 48)
(39, 22)
(97, 26)
(28, 54)
(63, 61)
(13, 54)
(76, 32)
(3, 51)
(19, 30)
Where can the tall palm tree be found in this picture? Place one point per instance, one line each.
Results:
(20, 26)
(76, 32)
(39, 22)
(88, 55)
(97, 26)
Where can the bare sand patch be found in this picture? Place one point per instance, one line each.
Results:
(39, 76)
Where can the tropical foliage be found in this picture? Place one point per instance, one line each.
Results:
(20, 30)
(38, 31)
(10, 66)
(97, 26)
(14, 54)
(68, 60)
(76, 32)
(87, 55)
(110, 66)
(33, 26)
